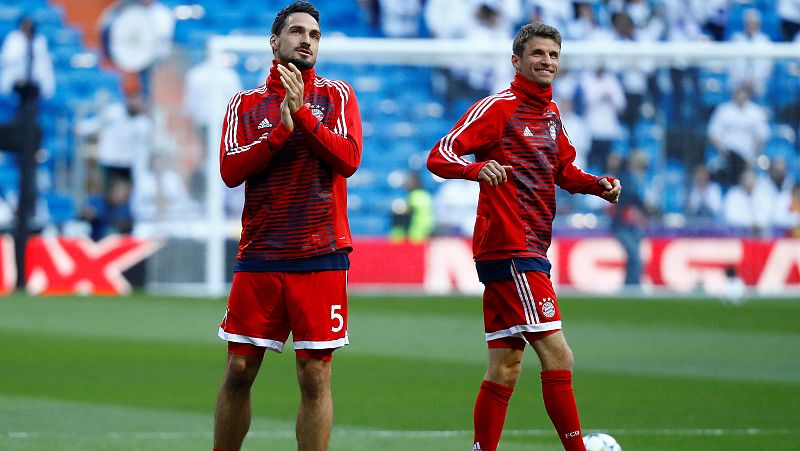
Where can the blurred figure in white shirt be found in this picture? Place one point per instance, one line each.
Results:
(25, 61)
(604, 101)
(704, 197)
(738, 130)
(756, 71)
(748, 206)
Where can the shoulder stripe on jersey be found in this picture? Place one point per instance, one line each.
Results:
(446, 143)
(446, 140)
(344, 94)
(232, 119)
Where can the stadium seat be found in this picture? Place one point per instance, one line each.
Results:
(9, 177)
(60, 207)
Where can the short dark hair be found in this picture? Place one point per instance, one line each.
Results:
(296, 7)
(531, 30)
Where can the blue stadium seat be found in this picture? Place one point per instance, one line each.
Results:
(9, 177)
(60, 207)
(714, 86)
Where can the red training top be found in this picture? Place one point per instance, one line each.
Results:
(520, 127)
(295, 188)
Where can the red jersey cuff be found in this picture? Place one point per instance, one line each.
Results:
(470, 172)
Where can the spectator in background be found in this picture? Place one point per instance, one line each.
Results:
(630, 216)
(585, 26)
(787, 212)
(789, 13)
(109, 212)
(27, 69)
(209, 86)
(447, 19)
(748, 206)
(160, 193)
(738, 130)
(713, 17)
(125, 138)
(704, 197)
(777, 180)
(400, 18)
(683, 26)
(755, 71)
(558, 13)
(412, 217)
(455, 207)
(604, 100)
(484, 20)
(25, 62)
(579, 132)
(634, 75)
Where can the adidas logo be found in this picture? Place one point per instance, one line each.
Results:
(477, 445)
(264, 124)
(527, 132)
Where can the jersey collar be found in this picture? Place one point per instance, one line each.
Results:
(274, 79)
(533, 93)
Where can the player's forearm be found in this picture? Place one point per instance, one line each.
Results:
(238, 163)
(574, 180)
(457, 169)
(341, 153)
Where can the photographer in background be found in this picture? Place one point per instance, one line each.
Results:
(26, 68)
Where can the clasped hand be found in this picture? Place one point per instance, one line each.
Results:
(292, 81)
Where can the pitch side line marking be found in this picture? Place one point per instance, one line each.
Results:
(345, 433)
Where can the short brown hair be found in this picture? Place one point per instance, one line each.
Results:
(531, 30)
(296, 7)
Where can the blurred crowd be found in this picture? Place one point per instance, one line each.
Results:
(689, 160)
(710, 152)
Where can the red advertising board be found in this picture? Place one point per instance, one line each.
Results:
(56, 266)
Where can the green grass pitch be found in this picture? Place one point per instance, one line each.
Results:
(141, 373)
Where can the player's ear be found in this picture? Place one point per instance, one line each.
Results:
(273, 42)
(515, 62)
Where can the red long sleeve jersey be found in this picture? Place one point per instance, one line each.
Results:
(295, 188)
(520, 127)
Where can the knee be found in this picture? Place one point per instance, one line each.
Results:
(560, 358)
(313, 377)
(505, 372)
(240, 373)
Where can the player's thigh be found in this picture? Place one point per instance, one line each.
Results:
(317, 305)
(256, 311)
(554, 352)
(524, 303)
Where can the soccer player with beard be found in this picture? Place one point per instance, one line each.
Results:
(521, 153)
(292, 142)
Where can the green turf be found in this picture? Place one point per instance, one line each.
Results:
(141, 373)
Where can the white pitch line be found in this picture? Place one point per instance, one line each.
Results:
(377, 433)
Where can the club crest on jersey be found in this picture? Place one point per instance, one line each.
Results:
(552, 125)
(548, 307)
(318, 111)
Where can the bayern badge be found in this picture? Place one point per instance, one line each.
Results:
(318, 111)
(548, 307)
(553, 130)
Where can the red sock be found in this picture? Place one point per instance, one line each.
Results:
(490, 414)
(560, 404)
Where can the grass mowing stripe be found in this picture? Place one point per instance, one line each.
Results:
(414, 366)
(377, 433)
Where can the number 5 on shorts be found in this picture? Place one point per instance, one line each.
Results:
(337, 318)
